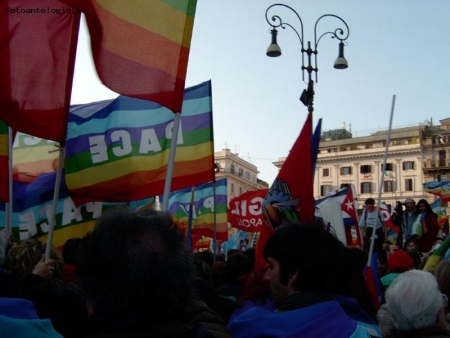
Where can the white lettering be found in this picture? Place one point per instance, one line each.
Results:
(99, 151)
(149, 141)
(255, 207)
(122, 136)
(169, 132)
(70, 212)
(95, 208)
(27, 225)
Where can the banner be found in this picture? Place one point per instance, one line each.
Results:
(32, 207)
(245, 211)
(203, 209)
(118, 150)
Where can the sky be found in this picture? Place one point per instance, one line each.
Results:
(395, 47)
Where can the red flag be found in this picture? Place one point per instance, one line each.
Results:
(37, 59)
(245, 211)
(290, 198)
(4, 162)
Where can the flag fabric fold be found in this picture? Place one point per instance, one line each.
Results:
(141, 47)
(290, 197)
(4, 162)
(118, 150)
(441, 189)
(37, 60)
(203, 209)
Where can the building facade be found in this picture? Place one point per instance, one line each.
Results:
(415, 155)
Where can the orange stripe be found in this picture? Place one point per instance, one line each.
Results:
(27, 172)
(137, 44)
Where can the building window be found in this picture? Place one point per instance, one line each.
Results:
(408, 184)
(442, 160)
(389, 167)
(325, 189)
(408, 165)
(247, 175)
(232, 187)
(366, 188)
(442, 178)
(241, 172)
(345, 185)
(325, 172)
(346, 170)
(365, 169)
(240, 190)
(388, 186)
(232, 168)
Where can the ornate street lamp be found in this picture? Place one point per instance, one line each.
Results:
(341, 34)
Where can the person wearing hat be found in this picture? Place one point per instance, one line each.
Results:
(398, 262)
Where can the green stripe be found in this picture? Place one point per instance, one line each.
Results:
(185, 6)
(83, 160)
(3, 128)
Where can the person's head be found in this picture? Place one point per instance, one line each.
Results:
(70, 250)
(400, 261)
(370, 204)
(305, 257)
(136, 261)
(238, 268)
(410, 204)
(23, 257)
(423, 206)
(387, 246)
(411, 244)
(442, 275)
(414, 301)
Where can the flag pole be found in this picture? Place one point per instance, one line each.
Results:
(171, 162)
(191, 211)
(9, 205)
(215, 222)
(372, 240)
(356, 205)
(51, 221)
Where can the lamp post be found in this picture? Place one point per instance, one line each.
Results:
(341, 34)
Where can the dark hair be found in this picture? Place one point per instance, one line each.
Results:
(317, 256)
(70, 250)
(370, 200)
(237, 267)
(428, 209)
(136, 261)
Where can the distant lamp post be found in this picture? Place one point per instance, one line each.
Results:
(274, 50)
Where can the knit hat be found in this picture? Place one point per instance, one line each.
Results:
(400, 261)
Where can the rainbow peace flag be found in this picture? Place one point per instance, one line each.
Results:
(203, 209)
(32, 206)
(118, 150)
(441, 189)
(33, 156)
(141, 47)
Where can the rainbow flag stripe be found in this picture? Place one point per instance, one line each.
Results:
(141, 47)
(203, 212)
(118, 150)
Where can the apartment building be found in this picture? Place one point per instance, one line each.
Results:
(415, 155)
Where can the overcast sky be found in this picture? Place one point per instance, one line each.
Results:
(399, 47)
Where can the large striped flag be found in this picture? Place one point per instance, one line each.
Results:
(203, 209)
(441, 212)
(4, 159)
(37, 59)
(33, 156)
(441, 189)
(32, 206)
(118, 150)
(141, 47)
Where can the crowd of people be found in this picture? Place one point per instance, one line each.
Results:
(133, 276)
